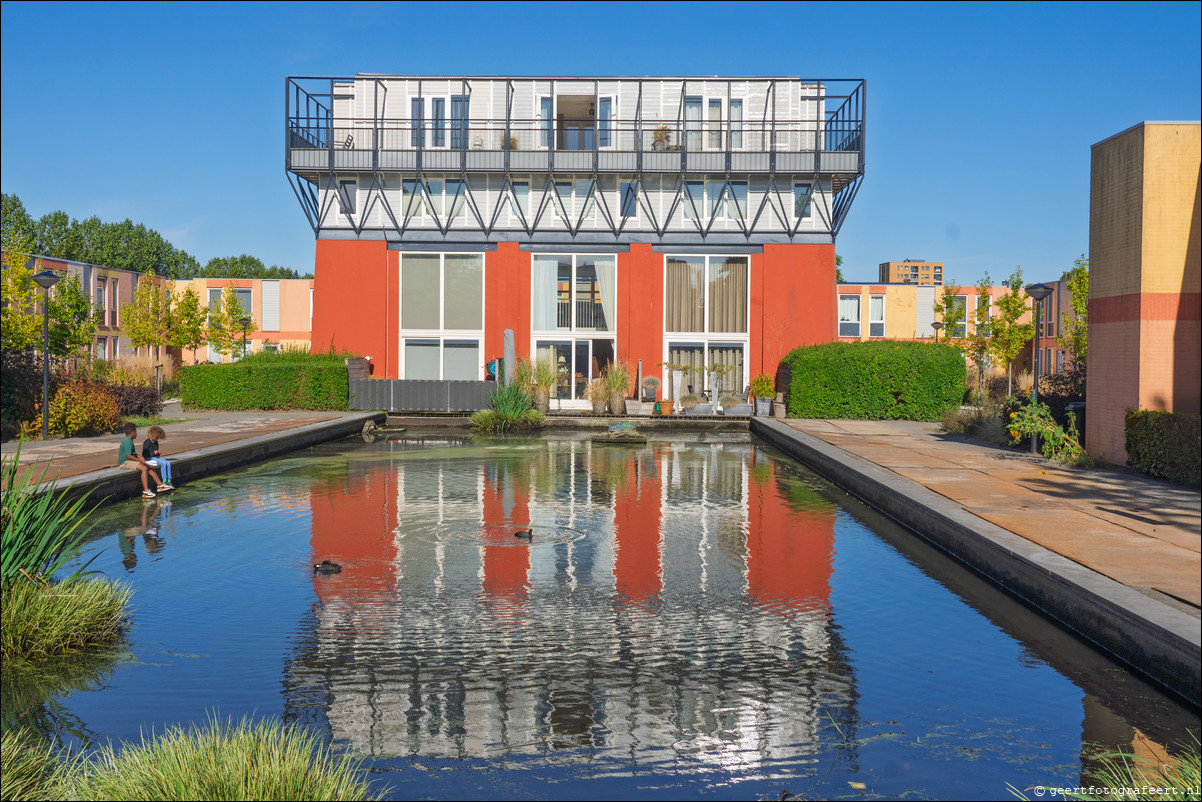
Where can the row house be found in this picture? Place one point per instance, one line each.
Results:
(681, 220)
(280, 312)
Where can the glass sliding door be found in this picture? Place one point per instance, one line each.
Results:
(574, 300)
(692, 123)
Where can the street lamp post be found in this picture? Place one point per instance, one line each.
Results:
(245, 325)
(46, 279)
(936, 326)
(1037, 292)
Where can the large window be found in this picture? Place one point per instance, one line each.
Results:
(574, 293)
(706, 299)
(849, 316)
(876, 316)
(715, 200)
(442, 315)
(961, 328)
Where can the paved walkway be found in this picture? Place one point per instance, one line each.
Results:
(1142, 533)
(80, 455)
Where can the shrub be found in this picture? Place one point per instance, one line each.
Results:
(1165, 445)
(513, 409)
(137, 401)
(875, 380)
(986, 423)
(278, 381)
(761, 386)
(44, 620)
(81, 407)
(1058, 390)
(265, 760)
(1055, 442)
(20, 391)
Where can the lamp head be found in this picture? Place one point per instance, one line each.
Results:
(47, 279)
(1039, 291)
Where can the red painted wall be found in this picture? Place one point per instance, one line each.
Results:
(356, 300)
(506, 299)
(640, 308)
(792, 302)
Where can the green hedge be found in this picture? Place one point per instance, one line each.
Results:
(885, 380)
(1165, 445)
(320, 384)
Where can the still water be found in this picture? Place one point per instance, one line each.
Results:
(696, 616)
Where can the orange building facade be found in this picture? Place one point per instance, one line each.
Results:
(449, 211)
(1145, 292)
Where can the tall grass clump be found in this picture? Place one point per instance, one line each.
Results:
(247, 760)
(512, 410)
(40, 618)
(31, 771)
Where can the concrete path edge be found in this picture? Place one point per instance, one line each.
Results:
(1155, 640)
(114, 484)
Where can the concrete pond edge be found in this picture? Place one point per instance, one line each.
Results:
(1155, 640)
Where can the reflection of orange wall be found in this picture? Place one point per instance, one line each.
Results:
(792, 302)
(789, 551)
(507, 299)
(638, 564)
(355, 301)
(640, 308)
(506, 558)
(353, 522)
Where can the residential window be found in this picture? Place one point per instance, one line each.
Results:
(629, 200)
(736, 200)
(961, 328)
(460, 114)
(442, 315)
(604, 121)
(547, 120)
(876, 316)
(706, 294)
(99, 305)
(102, 348)
(692, 123)
(417, 122)
(438, 122)
(801, 202)
(694, 199)
(346, 196)
(433, 203)
(714, 124)
(411, 198)
(456, 198)
(574, 293)
(520, 201)
(849, 316)
(736, 124)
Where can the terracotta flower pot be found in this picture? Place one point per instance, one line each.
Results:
(665, 407)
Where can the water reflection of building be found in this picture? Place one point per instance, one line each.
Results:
(674, 597)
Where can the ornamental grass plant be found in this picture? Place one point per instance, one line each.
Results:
(512, 410)
(1124, 776)
(41, 620)
(248, 760)
(31, 771)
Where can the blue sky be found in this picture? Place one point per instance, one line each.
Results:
(980, 116)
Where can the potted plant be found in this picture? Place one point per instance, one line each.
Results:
(617, 379)
(513, 143)
(597, 393)
(660, 137)
(650, 388)
(732, 405)
(689, 401)
(664, 407)
(544, 377)
(761, 388)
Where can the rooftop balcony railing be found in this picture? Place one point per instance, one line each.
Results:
(317, 141)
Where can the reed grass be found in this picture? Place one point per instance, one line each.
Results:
(1124, 776)
(247, 760)
(512, 410)
(31, 771)
(41, 530)
(138, 369)
(40, 621)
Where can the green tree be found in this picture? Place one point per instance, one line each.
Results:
(15, 222)
(1075, 336)
(1008, 336)
(950, 308)
(839, 269)
(147, 319)
(72, 321)
(20, 327)
(225, 331)
(188, 325)
(976, 346)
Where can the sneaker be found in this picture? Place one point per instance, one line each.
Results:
(163, 488)
(147, 494)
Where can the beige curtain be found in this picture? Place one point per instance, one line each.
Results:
(693, 356)
(686, 294)
(728, 295)
(730, 357)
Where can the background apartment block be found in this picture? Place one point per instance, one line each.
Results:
(678, 220)
(911, 271)
(281, 311)
(1145, 285)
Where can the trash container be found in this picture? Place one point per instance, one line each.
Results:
(1077, 409)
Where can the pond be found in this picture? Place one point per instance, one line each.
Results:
(694, 616)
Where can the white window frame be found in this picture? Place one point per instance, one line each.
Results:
(428, 121)
(443, 335)
(706, 339)
(963, 322)
(613, 126)
(859, 316)
(871, 321)
(572, 332)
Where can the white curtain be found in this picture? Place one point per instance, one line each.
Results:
(607, 281)
(543, 286)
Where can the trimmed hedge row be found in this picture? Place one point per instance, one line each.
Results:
(885, 380)
(1165, 445)
(319, 384)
